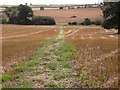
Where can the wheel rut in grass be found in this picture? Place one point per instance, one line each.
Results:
(58, 65)
(55, 70)
(50, 67)
(55, 66)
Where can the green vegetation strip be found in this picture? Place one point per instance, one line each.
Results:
(58, 67)
(53, 66)
(50, 67)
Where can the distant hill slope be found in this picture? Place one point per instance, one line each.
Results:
(63, 16)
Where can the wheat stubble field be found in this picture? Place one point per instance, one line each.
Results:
(63, 16)
(20, 42)
(59, 56)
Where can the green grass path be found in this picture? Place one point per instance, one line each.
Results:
(51, 66)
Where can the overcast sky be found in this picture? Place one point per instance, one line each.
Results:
(17, 2)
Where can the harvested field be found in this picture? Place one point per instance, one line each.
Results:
(99, 52)
(20, 42)
(63, 16)
(95, 63)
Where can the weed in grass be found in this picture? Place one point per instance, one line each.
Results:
(17, 76)
(47, 43)
(32, 63)
(39, 54)
(65, 52)
(25, 84)
(61, 85)
(26, 67)
(36, 72)
(22, 84)
(66, 64)
(19, 68)
(58, 76)
(81, 77)
(51, 85)
(54, 85)
(6, 77)
(51, 65)
(6, 85)
(86, 79)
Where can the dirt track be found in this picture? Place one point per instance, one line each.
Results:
(97, 47)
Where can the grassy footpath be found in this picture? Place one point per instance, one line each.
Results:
(55, 65)
(51, 66)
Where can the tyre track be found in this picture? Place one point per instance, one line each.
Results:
(24, 35)
(111, 81)
(104, 56)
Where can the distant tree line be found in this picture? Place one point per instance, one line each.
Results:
(43, 20)
(111, 17)
(86, 22)
(23, 15)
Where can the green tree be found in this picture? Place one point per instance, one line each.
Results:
(12, 13)
(111, 14)
(86, 21)
(25, 15)
(43, 20)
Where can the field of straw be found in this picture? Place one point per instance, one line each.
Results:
(63, 16)
(98, 49)
(61, 55)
